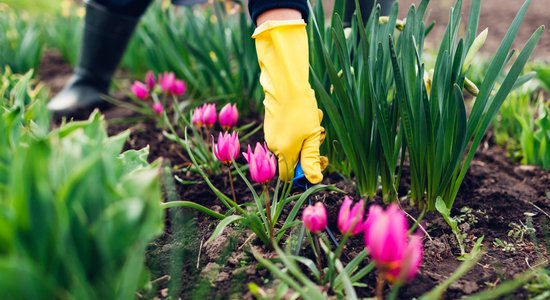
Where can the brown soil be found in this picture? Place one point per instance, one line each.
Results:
(497, 15)
(54, 71)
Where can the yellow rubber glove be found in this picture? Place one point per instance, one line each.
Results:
(292, 124)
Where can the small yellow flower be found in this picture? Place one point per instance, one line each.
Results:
(65, 12)
(471, 87)
(399, 24)
(428, 80)
(80, 12)
(12, 34)
(4, 7)
(231, 8)
(213, 56)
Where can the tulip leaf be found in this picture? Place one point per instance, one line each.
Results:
(506, 287)
(222, 225)
(300, 202)
(351, 269)
(348, 286)
(193, 205)
(309, 264)
(291, 276)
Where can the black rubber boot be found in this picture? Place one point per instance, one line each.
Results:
(106, 35)
(366, 7)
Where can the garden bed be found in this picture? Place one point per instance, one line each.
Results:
(495, 194)
(497, 191)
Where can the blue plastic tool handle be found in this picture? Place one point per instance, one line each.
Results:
(300, 179)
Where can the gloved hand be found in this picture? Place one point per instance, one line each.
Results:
(292, 124)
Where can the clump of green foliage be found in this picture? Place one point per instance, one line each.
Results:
(223, 66)
(523, 127)
(22, 41)
(75, 213)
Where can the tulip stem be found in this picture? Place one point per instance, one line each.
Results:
(231, 183)
(318, 256)
(206, 138)
(338, 253)
(268, 215)
(380, 286)
(202, 135)
(164, 117)
(162, 120)
(341, 246)
(417, 221)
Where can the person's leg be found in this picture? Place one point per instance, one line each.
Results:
(292, 120)
(108, 26)
(132, 8)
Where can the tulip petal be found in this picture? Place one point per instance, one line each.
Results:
(343, 215)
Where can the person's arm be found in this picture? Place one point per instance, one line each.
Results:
(259, 7)
(292, 120)
(278, 14)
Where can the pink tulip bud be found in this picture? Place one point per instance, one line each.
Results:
(351, 222)
(139, 89)
(315, 217)
(158, 109)
(197, 116)
(166, 81)
(227, 148)
(150, 80)
(388, 242)
(209, 115)
(178, 88)
(228, 116)
(262, 163)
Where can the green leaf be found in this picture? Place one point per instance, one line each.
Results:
(193, 205)
(222, 225)
(348, 286)
(310, 292)
(504, 288)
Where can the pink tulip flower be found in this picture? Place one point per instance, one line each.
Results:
(350, 219)
(178, 87)
(228, 116)
(227, 148)
(386, 234)
(209, 115)
(389, 244)
(158, 109)
(150, 80)
(197, 116)
(139, 89)
(262, 163)
(166, 81)
(315, 217)
(410, 265)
